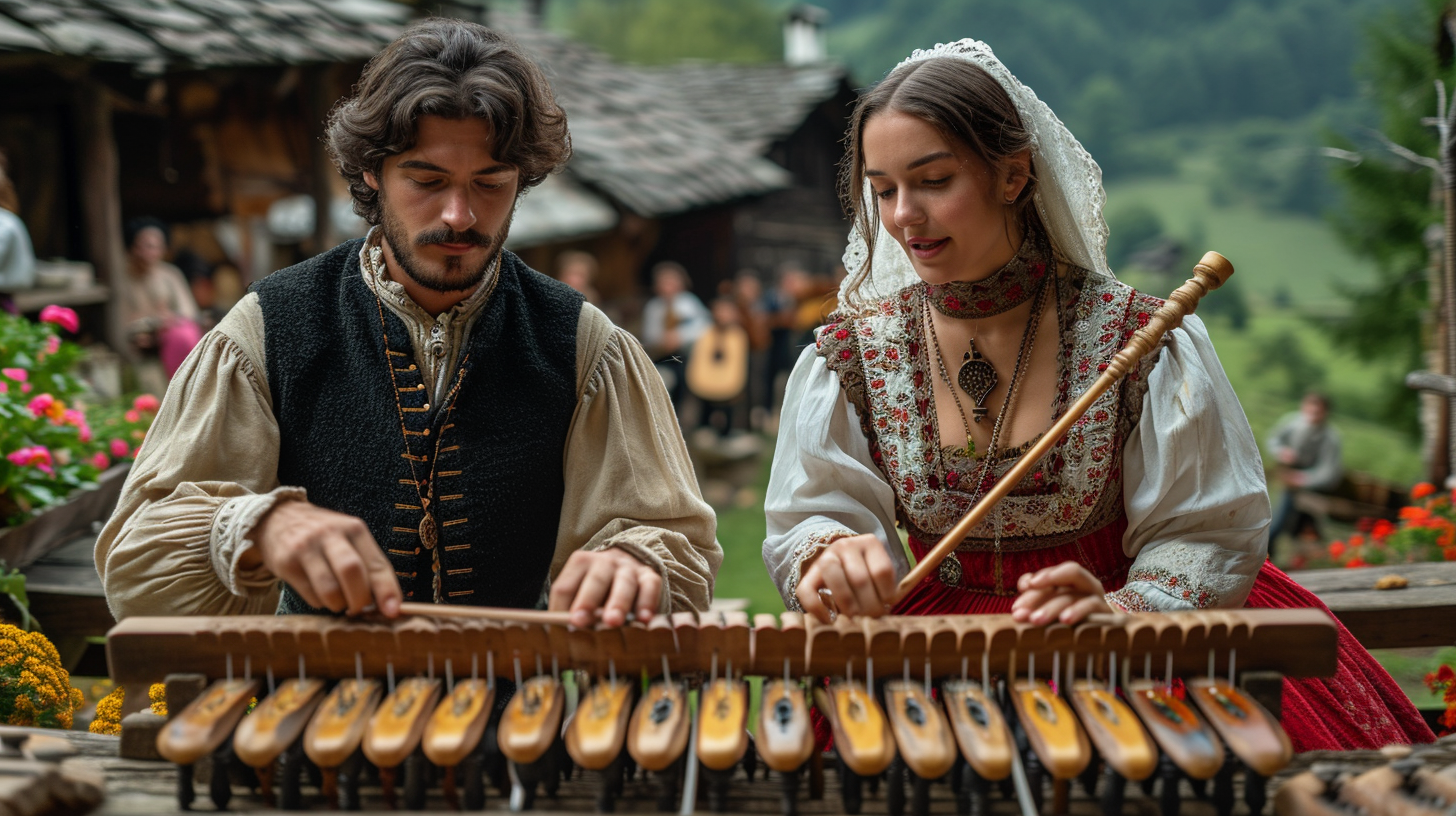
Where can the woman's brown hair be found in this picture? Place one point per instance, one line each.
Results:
(456, 70)
(965, 103)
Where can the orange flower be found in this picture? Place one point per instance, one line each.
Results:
(1415, 514)
(1422, 490)
(1357, 540)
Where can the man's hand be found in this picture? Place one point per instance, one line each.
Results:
(1066, 593)
(329, 558)
(610, 580)
(859, 573)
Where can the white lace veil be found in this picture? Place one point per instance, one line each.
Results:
(1068, 192)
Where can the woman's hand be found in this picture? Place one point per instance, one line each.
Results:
(1066, 593)
(857, 570)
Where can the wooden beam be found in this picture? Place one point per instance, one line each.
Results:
(100, 197)
(1423, 613)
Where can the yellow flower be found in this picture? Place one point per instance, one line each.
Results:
(158, 695)
(34, 688)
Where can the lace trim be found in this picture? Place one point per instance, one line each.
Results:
(1127, 600)
(228, 539)
(812, 544)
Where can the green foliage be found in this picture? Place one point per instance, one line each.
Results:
(1172, 61)
(47, 444)
(1388, 201)
(12, 586)
(1276, 165)
(662, 31)
(1131, 228)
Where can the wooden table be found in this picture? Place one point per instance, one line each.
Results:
(1421, 614)
(134, 787)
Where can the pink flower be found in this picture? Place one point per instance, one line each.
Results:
(133, 416)
(101, 461)
(73, 418)
(25, 388)
(146, 403)
(61, 316)
(37, 456)
(17, 374)
(85, 432)
(41, 404)
(119, 448)
(53, 344)
(4, 387)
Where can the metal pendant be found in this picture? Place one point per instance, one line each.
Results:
(429, 534)
(977, 378)
(951, 571)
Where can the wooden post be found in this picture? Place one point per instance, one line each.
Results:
(100, 197)
(319, 87)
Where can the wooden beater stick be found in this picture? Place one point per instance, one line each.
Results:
(1208, 274)
(431, 610)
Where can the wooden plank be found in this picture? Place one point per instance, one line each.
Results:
(1422, 614)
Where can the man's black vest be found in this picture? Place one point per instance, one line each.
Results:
(501, 438)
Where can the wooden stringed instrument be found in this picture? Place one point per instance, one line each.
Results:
(717, 369)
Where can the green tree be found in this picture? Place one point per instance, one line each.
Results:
(651, 32)
(1388, 204)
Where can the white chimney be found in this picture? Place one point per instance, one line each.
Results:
(804, 35)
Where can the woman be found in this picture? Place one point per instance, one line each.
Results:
(979, 305)
(159, 311)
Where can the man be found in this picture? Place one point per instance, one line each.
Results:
(418, 415)
(1307, 449)
(671, 322)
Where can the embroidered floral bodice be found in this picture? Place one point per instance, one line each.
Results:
(885, 369)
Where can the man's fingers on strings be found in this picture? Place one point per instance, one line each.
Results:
(649, 589)
(348, 568)
(563, 589)
(619, 599)
(320, 577)
(593, 591)
(1048, 612)
(382, 582)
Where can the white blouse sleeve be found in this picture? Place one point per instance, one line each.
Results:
(1197, 505)
(823, 485)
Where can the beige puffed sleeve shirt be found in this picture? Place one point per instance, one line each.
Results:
(207, 472)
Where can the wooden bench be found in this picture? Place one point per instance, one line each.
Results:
(1423, 613)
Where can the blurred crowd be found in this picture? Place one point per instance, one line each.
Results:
(725, 362)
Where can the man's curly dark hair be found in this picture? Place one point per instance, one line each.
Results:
(456, 70)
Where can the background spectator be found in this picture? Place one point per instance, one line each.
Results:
(671, 321)
(158, 310)
(1307, 449)
(17, 256)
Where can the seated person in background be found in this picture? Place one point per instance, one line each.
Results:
(671, 321)
(1307, 449)
(157, 306)
(17, 257)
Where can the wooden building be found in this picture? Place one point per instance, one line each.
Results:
(209, 115)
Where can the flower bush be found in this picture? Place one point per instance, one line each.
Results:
(51, 441)
(34, 689)
(108, 708)
(1443, 682)
(1426, 531)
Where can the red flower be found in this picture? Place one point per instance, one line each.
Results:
(1337, 549)
(1106, 297)
(845, 354)
(893, 353)
(909, 484)
(920, 379)
(985, 305)
(61, 316)
(877, 383)
(952, 479)
(1381, 529)
(953, 303)
(1014, 292)
(871, 354)
(1422, 490)
(1356, 562)
(842, 334)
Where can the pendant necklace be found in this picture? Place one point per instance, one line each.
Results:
(951, 573)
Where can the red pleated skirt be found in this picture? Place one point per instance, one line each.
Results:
(1361, 706)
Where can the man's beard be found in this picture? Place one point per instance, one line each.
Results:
(455, 277)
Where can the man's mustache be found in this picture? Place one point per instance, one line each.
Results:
(449, 236)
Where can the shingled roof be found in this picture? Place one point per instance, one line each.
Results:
(656, 140)
(157, 34)
(636, 139)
